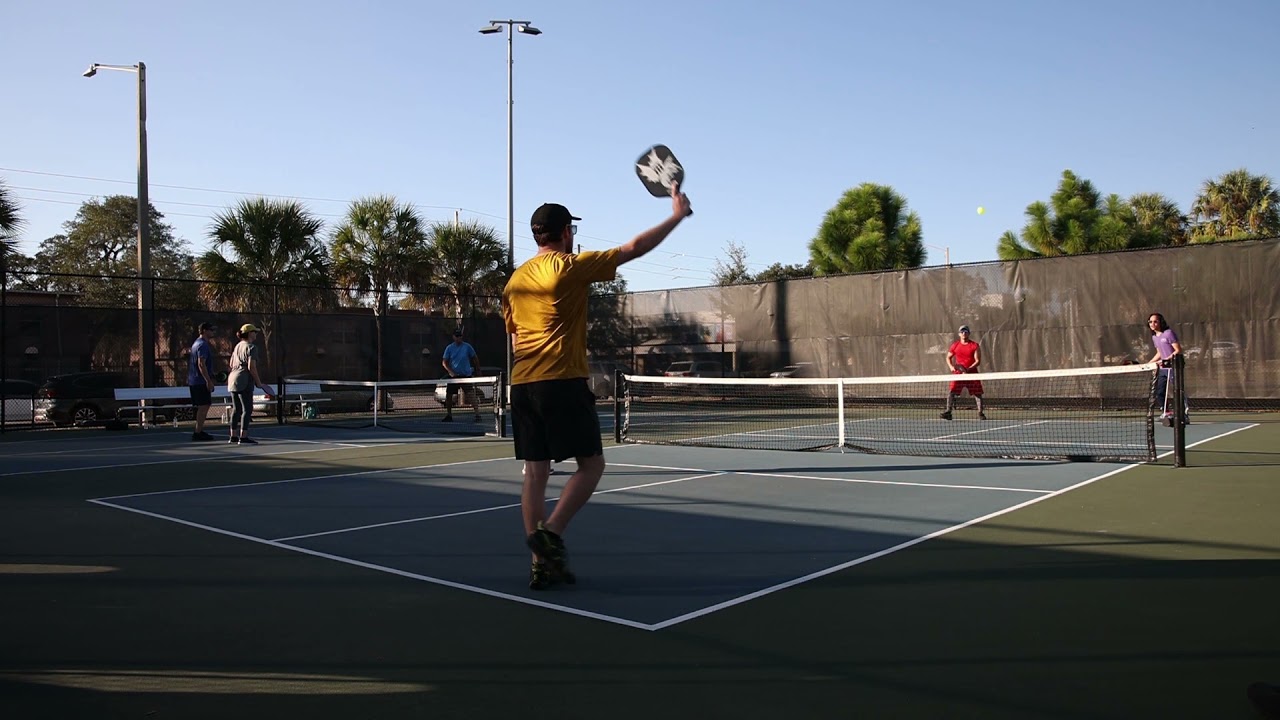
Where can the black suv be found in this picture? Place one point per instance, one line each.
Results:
(80, 398)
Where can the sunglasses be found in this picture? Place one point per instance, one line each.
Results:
(573, 229)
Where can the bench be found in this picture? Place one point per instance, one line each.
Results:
(181, 397)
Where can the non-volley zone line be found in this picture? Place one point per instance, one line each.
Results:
(383, 568)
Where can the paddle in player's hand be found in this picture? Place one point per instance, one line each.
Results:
(660, 171)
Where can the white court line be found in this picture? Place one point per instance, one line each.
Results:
(623, 621)
(902, 546)
(897, 482)
(836, 479)
(109, 449)
(992, 428)
(1215, 437)
(389, 570)
(294, 480)
(478, 510)
(212, 457)
(335, 443)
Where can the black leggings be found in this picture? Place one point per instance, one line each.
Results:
(241, 411)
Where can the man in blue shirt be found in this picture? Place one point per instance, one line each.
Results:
(460, 361)
(200, 379)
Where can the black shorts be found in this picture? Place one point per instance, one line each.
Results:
(452, 389)
(200, 395)
(555, 420)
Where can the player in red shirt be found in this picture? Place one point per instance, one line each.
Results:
(964, 356)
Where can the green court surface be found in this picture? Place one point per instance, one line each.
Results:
(144, 576)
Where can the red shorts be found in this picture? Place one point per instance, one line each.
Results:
(973, 386)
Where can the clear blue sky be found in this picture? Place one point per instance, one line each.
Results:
(775, 108)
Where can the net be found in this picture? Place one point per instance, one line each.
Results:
(455, 406)
(1094, 414)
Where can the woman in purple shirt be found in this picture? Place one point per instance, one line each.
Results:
(1167, 345)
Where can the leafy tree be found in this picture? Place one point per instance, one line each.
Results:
(778, 271)
(380, 247)
(95, 259)
(266, 256)
(734, 269)
(10, 224)
(23, 274)
(1236, 205)
(100, 245)
(870, 228)
(468, 261)
(608, 327)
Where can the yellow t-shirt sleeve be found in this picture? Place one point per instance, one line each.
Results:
(597, 266)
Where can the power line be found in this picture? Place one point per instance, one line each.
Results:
(71, 202)
(524, 246)
(207, 217)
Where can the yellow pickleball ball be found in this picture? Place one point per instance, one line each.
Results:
(981, 209)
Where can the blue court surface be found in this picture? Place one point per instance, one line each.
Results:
(672, 534)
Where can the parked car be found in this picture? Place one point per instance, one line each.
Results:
(1224, 350)
(799, 370)
(486, 389)
(80, 398)
(332, 399)
(699, 369)
(1220, 350)
(19, 401)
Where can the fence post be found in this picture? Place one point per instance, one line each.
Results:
(4, 342)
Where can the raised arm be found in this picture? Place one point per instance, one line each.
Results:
(649, 239)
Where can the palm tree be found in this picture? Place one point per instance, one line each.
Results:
(868, 229)
(380, 247)
(469, 261)
(10, 223)
(1078, 219)
(266, 257)
(1063, 226)
(1157, 221)
(1237, 205)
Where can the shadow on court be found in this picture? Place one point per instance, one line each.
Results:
(1147, 594)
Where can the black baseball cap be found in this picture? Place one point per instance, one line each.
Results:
(550, 217)
(207, 326)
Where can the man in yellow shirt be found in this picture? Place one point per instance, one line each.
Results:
(553, 413)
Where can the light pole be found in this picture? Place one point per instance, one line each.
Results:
(513, 26)
(146, 327)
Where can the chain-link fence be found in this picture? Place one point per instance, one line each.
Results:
(1054, 313)
(1067, 312)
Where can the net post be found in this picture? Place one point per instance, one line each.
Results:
(377, 401)
(840, 412)
(618, 380)
(1179, 413)
(500, 404)
(280, 399)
